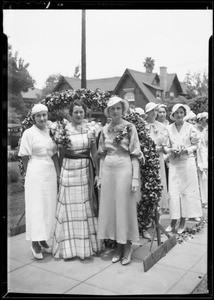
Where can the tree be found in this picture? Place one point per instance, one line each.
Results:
(50, 83)
(19, 80)
(52, 79)
(13, 117)
(197, 104)
(197, 84)
(149, 64)
(77, 72)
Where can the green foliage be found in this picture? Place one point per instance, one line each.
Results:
(19, 78)
(77, 72)
(197, 84)
(197, 104)
(52, 80)
(16, 106)
(13, 175)
(13, 116)
(151, 188)
(149, 64)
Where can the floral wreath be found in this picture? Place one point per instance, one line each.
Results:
(96, 100)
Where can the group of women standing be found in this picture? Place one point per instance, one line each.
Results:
(60, 197)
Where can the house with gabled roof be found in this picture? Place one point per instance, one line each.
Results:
(141, 88)
(105, 84)
(31, 97)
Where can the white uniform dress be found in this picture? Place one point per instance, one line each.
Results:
(183, 180)
(202, 164)
(40, 183)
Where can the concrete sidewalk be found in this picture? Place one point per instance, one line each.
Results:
(179, 272)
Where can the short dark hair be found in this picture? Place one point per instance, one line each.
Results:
(77, 103)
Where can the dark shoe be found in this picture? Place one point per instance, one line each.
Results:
(45, 247)
(118, 254)
(36, 250)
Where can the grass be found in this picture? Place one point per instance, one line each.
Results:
(15, 193)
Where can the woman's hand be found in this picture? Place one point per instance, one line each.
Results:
(96, 180)
(99, 183)
(159, 148)
(135, 184)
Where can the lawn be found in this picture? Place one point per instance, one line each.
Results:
(15, 197)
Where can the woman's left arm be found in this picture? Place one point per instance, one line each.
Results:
(56, 164)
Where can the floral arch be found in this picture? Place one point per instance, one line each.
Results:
(96, 100)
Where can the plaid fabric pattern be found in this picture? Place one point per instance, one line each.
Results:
(75, 233)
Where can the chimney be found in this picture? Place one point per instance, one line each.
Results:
(163, 79)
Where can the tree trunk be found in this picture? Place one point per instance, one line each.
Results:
(83, 77)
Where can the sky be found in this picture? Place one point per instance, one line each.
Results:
(50, 41)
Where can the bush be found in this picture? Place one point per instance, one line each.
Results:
(13, 175)
(12, 156)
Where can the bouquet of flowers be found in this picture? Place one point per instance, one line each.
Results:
(59, 133)
(122, 133)
(177, 151)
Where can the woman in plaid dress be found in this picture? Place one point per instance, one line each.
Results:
(75, 233)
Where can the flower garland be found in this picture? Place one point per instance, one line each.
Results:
(189, 232)
(151, 188)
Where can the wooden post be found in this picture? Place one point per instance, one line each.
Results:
(83, 75)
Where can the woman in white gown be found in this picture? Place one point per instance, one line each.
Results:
(119, 180)
(40, 162)
(183, 140)
(158, 134)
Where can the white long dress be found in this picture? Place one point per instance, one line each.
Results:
(202, 165)
(40, 183)
(184, 194)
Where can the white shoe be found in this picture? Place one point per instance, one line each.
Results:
(180, 230)
(36, 255)
(169, 228)
(126, 259)
(118, 255)
(146, 235)
(197, 219)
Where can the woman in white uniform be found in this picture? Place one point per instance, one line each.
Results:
(158, 134)
(183, 140)
(40, 162)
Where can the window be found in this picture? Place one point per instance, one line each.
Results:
(129, 95)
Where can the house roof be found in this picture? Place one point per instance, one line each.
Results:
(184, 88)
(31, 93)
(140, 78)
(105, 84)
(75, 83)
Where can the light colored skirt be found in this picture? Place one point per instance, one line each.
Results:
(184, 194)
(40, 199)
(118, 212)
(75, 233)
(164, 202)
(203, 184)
